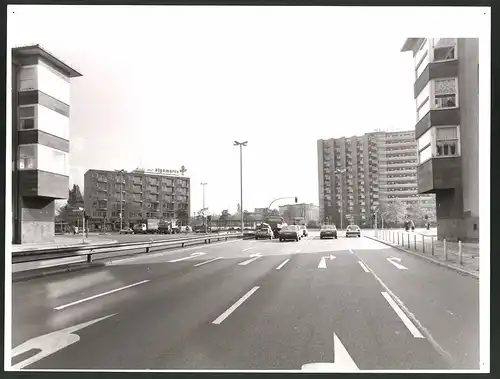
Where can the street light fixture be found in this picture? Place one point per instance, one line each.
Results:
(241, 144)
(341, 172)
(203, 210)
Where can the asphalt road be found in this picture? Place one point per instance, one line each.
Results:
(252, 305)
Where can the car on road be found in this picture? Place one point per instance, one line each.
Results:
(264, 232)
(353, 231)
(126, 231)
(290, 232)
(304, 231)
(328, 231)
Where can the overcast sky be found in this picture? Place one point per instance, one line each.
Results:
(172, 86)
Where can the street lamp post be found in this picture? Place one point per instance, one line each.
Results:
(241, 144)
(341, 172)
(204, 218)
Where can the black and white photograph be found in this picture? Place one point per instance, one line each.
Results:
(247, 189)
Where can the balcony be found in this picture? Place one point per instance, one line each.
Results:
(102, 179)
(439, 174)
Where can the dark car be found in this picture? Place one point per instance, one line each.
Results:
(290, 232)
(328, 231)
(304, 231)
(353, 231)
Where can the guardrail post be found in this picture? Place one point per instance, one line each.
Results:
(445, 250)
(460, 252)
(89, 257)
(423, 244)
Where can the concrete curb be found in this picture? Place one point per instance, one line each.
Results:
(436, 261)
(40, 273)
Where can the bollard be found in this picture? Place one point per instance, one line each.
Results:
(408, 240)
(415, 241)
(423, 244)
(398, 238)
(445, 250)
(460, 252)
(432, 245)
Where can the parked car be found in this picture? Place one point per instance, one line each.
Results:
(328, 231)
(126, 231)
(304, 231)
(290, 232)
(264, 232)
(353, 231)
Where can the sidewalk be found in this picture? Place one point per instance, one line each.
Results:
(429, 247)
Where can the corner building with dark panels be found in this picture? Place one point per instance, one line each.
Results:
(446, 91)
(40, 141)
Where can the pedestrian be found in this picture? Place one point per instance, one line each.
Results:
(407, 226)
(412, 226)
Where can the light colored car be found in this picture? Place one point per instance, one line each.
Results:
(328, 231)
(264, 232)
(353, 231)
(290, 232)
(304, 231)
(126, 231)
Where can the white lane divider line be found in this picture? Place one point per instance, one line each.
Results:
(233, 307)
(350, 251)
(248, 248)
(363, 266)
(210, 261)
(98, 295)
(298, 250)
(282, 264)
(411, 327)
(254, 258)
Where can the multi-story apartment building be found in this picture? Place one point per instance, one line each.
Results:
(299, 213)
(446, 92)
(143, 193)
(40, 141)
(358, 173)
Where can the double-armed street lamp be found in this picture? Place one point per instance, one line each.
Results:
(241, 144)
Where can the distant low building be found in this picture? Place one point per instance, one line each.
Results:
(299, 213)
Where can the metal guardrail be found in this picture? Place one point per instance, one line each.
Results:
(89, 250)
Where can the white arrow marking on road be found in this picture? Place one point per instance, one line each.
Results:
(211, 260)
(50, 343)
(401, 267)
(99, 295)
(248, 248)
(282, 264)
(322, 262)
(185, 258)
(342, 360)
(255, 257)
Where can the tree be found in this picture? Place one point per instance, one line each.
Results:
(224, 217)
(182, 216)
(393, 212)
(75, 197)
(312, 224)
(238, 209)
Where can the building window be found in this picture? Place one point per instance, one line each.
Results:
(27, 117)
(27, 157)
(52, 160)
(444, 49)
(445, 93)
(52, 122)
(28, 78)
(447, 141)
